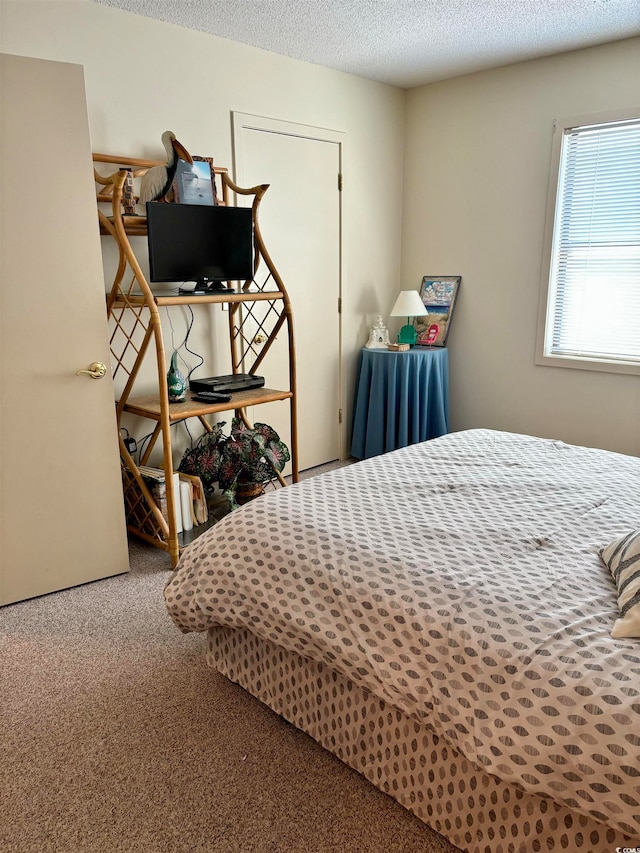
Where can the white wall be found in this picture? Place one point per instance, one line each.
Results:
(144, 76)
(475, 180)
(476, 172)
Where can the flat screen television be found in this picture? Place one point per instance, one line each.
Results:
(205, 244)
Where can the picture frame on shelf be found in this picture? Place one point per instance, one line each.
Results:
(209, 160)
(195, 183)
(438, 294)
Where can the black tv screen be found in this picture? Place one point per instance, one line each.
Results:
(199, 243)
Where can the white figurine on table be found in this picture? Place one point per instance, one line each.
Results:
(378, 336)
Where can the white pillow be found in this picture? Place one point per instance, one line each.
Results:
(622, 558)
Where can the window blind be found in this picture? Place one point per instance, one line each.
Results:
(594, 294)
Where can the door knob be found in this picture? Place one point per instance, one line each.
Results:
(259, 339)
(96, 370)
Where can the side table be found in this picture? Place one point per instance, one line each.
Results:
(401, 398)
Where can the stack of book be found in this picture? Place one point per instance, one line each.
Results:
(190, 503)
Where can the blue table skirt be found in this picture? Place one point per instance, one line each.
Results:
(401, 398)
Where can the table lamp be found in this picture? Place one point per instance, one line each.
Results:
(408, 304)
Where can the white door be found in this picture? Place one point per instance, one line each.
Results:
(62, 515)
(300, 222)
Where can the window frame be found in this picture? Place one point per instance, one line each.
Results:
(560, 126)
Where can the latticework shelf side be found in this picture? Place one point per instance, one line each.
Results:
(140, 512)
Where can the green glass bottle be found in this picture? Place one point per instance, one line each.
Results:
(176, 383)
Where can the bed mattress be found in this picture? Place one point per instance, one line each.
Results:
(459, 582)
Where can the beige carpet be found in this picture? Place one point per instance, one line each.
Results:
(115, 736)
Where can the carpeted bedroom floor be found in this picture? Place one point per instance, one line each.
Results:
(116, 736)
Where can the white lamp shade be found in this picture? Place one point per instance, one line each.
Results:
(408, 304)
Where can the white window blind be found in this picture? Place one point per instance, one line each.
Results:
(593, 309)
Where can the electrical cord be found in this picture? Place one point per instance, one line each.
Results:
(196, 354)
(141, 445)
(185, 342)
(188, 433)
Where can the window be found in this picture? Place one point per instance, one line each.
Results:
(590, 306)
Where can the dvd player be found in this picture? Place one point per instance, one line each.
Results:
(227, 384)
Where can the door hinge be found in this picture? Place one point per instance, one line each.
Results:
(339, 304)
(339, 416)
(339, 182)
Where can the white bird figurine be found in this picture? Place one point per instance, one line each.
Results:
(156, 183)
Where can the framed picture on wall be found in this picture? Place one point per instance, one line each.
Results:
(438, 294)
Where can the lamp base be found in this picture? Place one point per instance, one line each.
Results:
(407, 335)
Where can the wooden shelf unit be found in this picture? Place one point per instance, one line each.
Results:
(136, 334)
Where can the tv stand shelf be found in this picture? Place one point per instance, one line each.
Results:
(229, 297)
(150, 406)
(261, 303)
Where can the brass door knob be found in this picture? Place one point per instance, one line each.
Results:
(259, 339)
(96, 370)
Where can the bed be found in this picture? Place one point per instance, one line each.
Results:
(440, 618)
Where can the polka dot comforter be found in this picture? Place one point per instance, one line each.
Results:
(459, 581)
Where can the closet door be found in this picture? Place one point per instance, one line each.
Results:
(300, 220)
(62, 516)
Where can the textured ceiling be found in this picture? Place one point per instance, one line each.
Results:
(403, 42)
